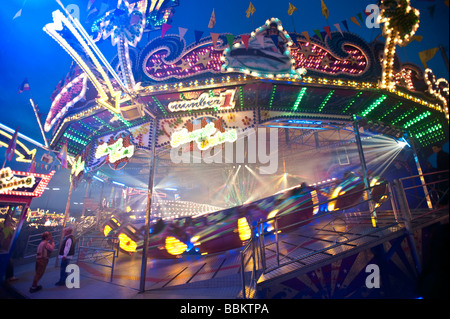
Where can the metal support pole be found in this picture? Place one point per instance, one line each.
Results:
(406, 219)
(149, 211)
(66, 217)
(422, 179)
(364, 171)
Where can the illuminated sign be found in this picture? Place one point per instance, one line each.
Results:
(10, 182)
(224, 101)
(205, 137)
(78, 166)
(115, 151)
(23, 183)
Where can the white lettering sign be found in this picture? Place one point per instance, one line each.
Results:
(224, 101)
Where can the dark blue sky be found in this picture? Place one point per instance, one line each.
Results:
(26, 51)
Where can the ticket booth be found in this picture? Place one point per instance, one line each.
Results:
(17, 190)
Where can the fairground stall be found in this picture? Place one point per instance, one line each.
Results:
(173, 138)
(17, 190)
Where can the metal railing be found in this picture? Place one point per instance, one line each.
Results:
(248, 254)
(360, 223)
(34, 240)
(405, 204)
(98, 250)
(424, 192)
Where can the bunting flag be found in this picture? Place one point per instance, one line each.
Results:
(417, 38)
(212, 20)
(18, 14)
(90, 3)
(317, 32)
(9, 154)
(250, 10)
(198, 35)
(245, 38)
(427, 55)
(62, 155)
(214, 37)
(344, 22)
(328, 31)
(260, 39)
(325, 11)
(25, 86)
(230, 39)
(359, 15)
(355, 21)
(182, 31)
(338, 27)
(431, 10)
(291, 9)
(32, 167)
(306, 35)
(275, 39)
(164, 29)
(293, 37)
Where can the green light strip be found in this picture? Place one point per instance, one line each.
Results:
(417, 119)
(390, 111)
(160, 105)
(75, 139)
(404, 115)
(102, 122)
(351, 102)
(241, 96)
(325, 100)
(119, 116)
(299, 99)
(374, 105)
(272, 95)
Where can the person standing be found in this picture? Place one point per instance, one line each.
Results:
(45, 247)
(66, 252)
(442, 161)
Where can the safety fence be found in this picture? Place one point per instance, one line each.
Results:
(98, 250)
(405, 201)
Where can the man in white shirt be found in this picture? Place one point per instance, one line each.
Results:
(66, 253)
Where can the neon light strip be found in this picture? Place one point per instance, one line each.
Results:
(26, 138)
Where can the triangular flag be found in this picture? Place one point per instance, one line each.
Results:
(360, 18)
(250, 10)
(293, 37)
(431, 10)
(62, 155)
(327, 30)
(32, 167)
(245, 38)
(90, 3)
(260, 38)
(214, 37)
(18, 14)
(344, 22)
(25, 86)
(427, 55)
(198, 35)
(317, 32)
(338, 27)
(291, 9)
(418, 38)
(306, 35)
(212, 20)
(325, 11)
(182, 31)
(355, 21)
(230, 39)
(275, 39)
(164, 29)
(9, 154)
